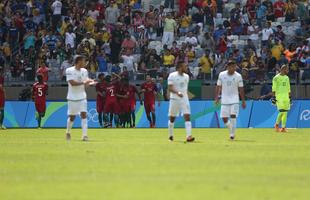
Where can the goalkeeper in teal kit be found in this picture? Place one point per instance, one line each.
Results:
(281, 91)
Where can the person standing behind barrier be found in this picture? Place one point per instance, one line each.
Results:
(170, 27)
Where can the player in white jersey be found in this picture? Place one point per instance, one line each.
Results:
(179, 102)
(229, 86)
(77, 78)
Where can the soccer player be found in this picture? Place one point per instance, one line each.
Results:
(100, 100)
(179, 101)
(229, 86)
(149, 90)
(281, 92)
(132, 99)
(39, 92)
(111, 107)
(124, 102)
(2, 103)
(77, 78)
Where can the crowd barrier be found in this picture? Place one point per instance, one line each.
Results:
(258, 114)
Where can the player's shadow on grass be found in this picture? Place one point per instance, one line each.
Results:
(240, 140)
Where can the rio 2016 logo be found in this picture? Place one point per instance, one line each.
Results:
(92, 115)
(305, 115)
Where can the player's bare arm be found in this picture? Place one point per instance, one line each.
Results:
(218, 91)
(242, 96)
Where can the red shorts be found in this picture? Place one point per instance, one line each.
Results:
(40, 107)
(111, 107)
(100, 105)
(149, 107)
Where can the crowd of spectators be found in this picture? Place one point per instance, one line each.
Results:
(150, 36)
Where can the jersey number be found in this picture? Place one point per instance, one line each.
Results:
(40, 93)
(112, 92)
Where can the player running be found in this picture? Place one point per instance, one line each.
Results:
(150, 92)
(229, 86)
(281, 91)
(179, 101)
(2, 103)
(100, 100)
(77, 78)
(39, 92)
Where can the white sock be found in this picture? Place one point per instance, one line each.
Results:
(228, 124)
(170, 128)
(69, 125)
(188, 127)
(233, 122)
(84, 126)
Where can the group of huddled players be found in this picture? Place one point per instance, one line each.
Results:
(116, 98)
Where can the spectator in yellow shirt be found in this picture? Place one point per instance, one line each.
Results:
(184, 24)
(206, 64)
(277, 50)
(168, 60)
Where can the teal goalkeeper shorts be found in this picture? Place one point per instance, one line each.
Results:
(283, 104)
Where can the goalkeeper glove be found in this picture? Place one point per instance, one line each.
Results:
(273, 100)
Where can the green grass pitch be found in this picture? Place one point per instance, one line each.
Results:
(141, 164)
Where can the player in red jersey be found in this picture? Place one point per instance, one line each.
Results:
(39, 92)
(100, 101)
(124, 103)
(111, 107)
(2, 103)
(132, 100)
(150, 92)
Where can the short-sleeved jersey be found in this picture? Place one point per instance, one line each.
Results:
(180, 84)
(100, 87)
(123, 90)
(111, 90)
(76, 93)
(39, 92)
(281, 86)
(150, 91)
(230, 87)
(132, 93)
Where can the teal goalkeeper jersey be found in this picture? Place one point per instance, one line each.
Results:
(281, 86)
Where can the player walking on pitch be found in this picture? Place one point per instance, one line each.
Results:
(39, 92)
(281, 92)
(179, 102)
(229, 86)
(77, 78)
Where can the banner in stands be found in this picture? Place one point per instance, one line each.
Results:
(204, 114)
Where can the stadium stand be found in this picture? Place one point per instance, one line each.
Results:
(139, 37)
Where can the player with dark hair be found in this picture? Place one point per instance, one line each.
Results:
(100, 100)
(179, 102)
(39, 92)
(132, 101)
(281, 91)
(124, 103)
(111, 107)
(150, 92)
(230, 87)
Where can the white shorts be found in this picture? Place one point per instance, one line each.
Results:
(76, 107)
(179, 106)
(228, 110)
